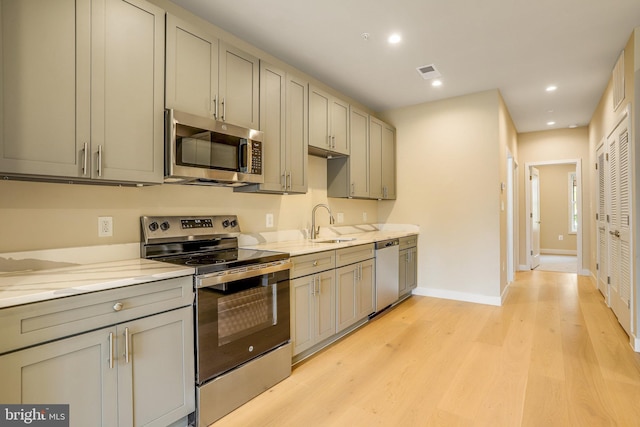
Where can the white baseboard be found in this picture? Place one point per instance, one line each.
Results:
(558, 252)
(585, 272)
(504, 294)
(458, 296)
(523, 267)
(635, 343)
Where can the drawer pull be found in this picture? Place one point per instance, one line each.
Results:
(126, 345)
(118, 306)
(315, 263)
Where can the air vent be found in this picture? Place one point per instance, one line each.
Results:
(428, 72)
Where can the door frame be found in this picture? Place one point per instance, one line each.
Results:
(579, 233)
(512, 217)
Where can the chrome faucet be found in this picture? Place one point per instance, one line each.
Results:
(315, 231)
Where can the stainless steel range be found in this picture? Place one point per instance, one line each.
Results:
(241, 308)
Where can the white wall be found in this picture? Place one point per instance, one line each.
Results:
(448, 183)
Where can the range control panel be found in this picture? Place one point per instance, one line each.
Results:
(185, 228)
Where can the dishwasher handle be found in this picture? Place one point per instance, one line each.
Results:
(387, 243)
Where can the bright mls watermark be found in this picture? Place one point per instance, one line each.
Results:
(34, 415)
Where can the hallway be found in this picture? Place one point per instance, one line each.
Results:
(553, 355)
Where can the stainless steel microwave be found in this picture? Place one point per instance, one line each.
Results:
(203, 151)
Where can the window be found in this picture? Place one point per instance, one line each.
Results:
(573, 203)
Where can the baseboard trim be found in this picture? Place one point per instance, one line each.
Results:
(585, 272)
(635, 343)
(503, 297)
(523, 267)
(459, 296)
(558, 252)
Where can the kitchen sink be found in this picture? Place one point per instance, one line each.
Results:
(342, 240)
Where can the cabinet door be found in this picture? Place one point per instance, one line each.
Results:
(44, 86)
(156, 369)
(375, 158)
(74, 371)
(325, 301)
(127, 76)
(359, 157)
(319, 119)
(340, 126)
(302, 313)
(346, 296)
(297, 133)
(239, 87)
(412, 269)
(192, 69)
(366, 289)
(403, 262)
(272, 123)
(388, 162)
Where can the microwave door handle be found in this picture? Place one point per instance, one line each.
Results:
(243, 156)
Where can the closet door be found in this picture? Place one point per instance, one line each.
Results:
(601, 224)
(620, 255)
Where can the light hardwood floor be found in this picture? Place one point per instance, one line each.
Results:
(552, 355)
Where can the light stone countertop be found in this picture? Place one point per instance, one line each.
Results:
(27, 277)
(352, 235)
(25, 286)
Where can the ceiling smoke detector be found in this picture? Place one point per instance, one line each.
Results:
(428, 72)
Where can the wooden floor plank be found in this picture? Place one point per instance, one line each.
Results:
(552, 355)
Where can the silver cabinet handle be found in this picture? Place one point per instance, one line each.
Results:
(353, 188)
(329, 141)
(284, 180)
(333, 142)
(99, 160)
(615, 233)
(215, 107)
(224, 109)
(110, 350)
(126, 345)
(85, 154)
(290, 181)
(118, 306)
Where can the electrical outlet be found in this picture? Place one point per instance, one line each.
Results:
(364, 216)
(340, 217)
(269, 220)
(560, 237)
(105, 226)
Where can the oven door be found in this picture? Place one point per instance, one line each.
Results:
(239, 320)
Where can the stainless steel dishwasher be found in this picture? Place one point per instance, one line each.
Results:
(387, 273)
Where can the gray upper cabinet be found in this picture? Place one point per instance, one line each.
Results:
(284, 121)
(382, 160)
(210, 78)
(349, 176)
(82, 90)
(388, 162)
(192, 69)
(328, 123)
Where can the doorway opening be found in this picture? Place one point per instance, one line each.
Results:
(534, 223)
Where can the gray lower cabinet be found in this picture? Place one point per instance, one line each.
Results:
(355, 293)
(137, 372)
(81, 90)
(313, 310)
(313, 296)
(408, 264)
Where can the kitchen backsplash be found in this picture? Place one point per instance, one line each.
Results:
(37, 216)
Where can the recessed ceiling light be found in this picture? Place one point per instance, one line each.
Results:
(436, 83)
(573, 126)
(551, 123)
(551, 88)
(365, 36)
(394, 38)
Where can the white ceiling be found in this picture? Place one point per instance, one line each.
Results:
(517, 46)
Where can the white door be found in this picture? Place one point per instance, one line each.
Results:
(535, 217)
(620, 224)
(601, 224)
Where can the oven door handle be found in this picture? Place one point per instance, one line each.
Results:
(213, 279)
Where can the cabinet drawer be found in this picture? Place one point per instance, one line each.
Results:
(353, 254)
(408, 241)
(31, 324)
(304, 265)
